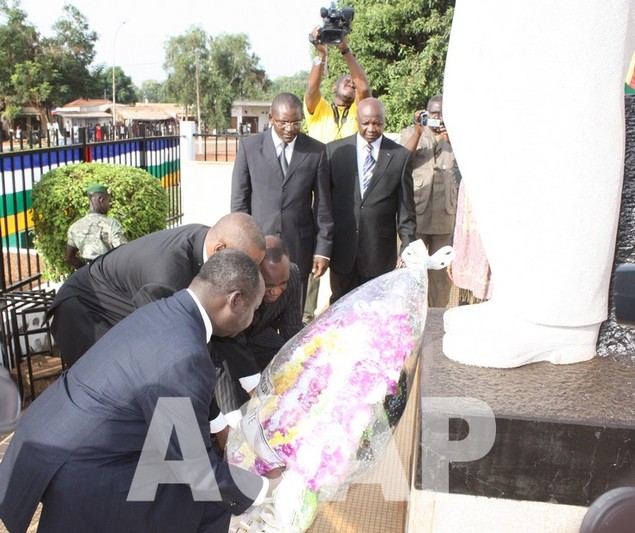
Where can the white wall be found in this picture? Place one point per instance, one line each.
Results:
(206, 194)
(205, 191)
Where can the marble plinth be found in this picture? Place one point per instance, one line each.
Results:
(564, 434)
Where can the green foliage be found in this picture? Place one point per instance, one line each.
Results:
(151, 91)
(402, 46)
(211, 72)
(124, 87)
(184, 59)
(45, 72)
(295, 84)
(138, 201)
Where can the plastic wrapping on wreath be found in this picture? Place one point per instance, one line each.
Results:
(326, 405)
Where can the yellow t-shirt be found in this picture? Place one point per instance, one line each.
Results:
(322, 125)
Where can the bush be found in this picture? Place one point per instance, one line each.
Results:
(138, 202)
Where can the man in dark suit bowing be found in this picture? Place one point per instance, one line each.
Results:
(280, 178)
(146, 269)
(373, 201)
(120, 441)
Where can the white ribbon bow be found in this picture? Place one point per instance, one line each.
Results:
(416, 256)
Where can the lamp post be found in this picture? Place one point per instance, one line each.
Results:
(114, 88)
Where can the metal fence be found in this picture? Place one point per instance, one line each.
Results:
(219, 148)
(21, 166)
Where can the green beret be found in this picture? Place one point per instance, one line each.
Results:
(96, 187)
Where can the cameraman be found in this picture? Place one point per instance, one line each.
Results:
(436, 180)
(328, 122)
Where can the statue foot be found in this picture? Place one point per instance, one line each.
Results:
(487, 335)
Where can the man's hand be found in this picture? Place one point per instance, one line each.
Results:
(417, 120)
(441, 131)
(275, 477)
(221, 437)
(343, 45)
(321, 48)
(320, 266)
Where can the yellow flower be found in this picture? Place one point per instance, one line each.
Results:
(279, 439)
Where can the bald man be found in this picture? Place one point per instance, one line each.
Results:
(155, 266)
(373, 201)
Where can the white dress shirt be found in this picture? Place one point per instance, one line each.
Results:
(277, 142)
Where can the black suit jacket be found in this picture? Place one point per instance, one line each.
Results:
(297, 208)
(366, 228)
(78, 445)
(99, 295)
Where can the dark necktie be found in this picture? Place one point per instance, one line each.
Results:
(369, 166)
(283, 159)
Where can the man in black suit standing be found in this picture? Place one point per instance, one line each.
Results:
(99, 295)
(373, 201)
(281, 179)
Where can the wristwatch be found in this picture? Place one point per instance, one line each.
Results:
(317, 60)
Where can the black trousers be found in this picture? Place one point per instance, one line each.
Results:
(342, 284)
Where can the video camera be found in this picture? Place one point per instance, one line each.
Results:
(336, 24)
(425, 120)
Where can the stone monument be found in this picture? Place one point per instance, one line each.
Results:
(547, 76)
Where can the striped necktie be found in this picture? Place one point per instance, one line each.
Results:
(369, 166)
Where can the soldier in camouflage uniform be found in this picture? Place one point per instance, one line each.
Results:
(96, 233)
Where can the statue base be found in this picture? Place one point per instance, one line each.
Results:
(564, 434)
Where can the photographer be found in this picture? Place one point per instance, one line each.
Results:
(436, 178)
(328, 122)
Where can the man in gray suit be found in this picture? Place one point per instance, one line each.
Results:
(373, 201)
(83, 447)
(280, 178)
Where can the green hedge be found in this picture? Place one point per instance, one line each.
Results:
(138, 201)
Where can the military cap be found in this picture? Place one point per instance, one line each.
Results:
(96, 187)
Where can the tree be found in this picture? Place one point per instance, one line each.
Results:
(19, 42)
(151, 91)
(402, 47)
(185, 58)
(69, 54)
(295, 84)
(125, 88)
(45, 72)
(222, 68)
(30, 84)
(235, 74)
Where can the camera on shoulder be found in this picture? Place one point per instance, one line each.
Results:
(336, 24)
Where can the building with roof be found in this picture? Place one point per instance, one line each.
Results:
(249, 116)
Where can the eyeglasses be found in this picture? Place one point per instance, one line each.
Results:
(284, 124)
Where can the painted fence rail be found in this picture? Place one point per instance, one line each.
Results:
(20, 169)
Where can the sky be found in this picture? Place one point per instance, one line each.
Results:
(278, 30)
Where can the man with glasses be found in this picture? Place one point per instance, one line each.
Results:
(373, 201)
(281, 179)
